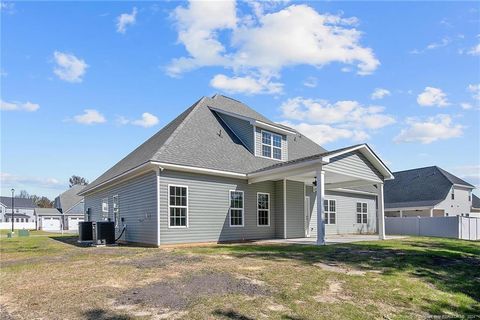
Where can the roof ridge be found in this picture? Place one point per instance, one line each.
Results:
(179, 127)
(434, 166)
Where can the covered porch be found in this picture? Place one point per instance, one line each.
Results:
(347, 182)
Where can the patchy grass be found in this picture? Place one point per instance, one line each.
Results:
(52, 277)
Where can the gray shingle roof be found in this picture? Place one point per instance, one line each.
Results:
(68, 199)
(475, 201)
(18, 202)
(47, 212)
(419, 187)
(194, 139)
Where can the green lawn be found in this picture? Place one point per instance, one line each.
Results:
(415, 278)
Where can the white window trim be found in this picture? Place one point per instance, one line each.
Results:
(328, 211)
(230, 209)
(113, 209)
(356, 213)
(170, 206)
(105, 200)
(268, 210)
(271, 146)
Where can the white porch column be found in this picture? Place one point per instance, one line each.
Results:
(401, 213)
(431, 212)
(381, 212)
(284, 208)
(320, 214)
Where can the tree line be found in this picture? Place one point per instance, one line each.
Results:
(45, 202)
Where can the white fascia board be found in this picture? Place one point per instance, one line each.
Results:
(177, 167)
(368, 153)
(409, 208)
(255, 122)
(463, 186)
(272, 127)
(145, 167)
(284, 171)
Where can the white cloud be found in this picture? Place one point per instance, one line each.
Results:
(148, 120)
(265, 43)
(432, 46)
(346, 113)
(90, 116)
(326, 122)
(323, 134)
(474, 51)
(432, 97)
(17, 106)
(470, 173)
(69, 67)
(310, 82)
(126, 19)
(435, 128)
(379, 93)
(25, 181)
(474, 89)
(466, 106)
(247, 84)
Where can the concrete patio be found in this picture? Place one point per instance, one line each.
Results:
(330, 239)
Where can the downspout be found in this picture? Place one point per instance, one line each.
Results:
(285, 208)
(160, 169)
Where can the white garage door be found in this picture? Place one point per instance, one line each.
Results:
(51, 224)
(73, 223)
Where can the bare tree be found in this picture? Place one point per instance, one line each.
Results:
(74, 180)
(24, 194)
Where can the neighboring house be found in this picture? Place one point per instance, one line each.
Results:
(49, 219)
(221, 171)
(24, 210)
(427, 192)
(475, 211)
(71, 205)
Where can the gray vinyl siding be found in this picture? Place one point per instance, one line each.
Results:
(258, 143)
(295, 209)
(354, 163)
(279, 226)
(241, 128)
(208, 209)
(138, 206)
(346, 213)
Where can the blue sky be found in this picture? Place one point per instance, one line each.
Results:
(84, 83)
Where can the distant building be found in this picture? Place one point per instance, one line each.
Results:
(71, 206)
(24, 210)
(429, 191)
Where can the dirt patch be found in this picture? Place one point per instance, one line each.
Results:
(161, 260)
(340, 269)
(334, 293)
(178, 294)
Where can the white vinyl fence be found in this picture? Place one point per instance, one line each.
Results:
(18, 225)
(448, 227)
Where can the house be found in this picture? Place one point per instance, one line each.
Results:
(24, 213)
(427, 192)
(49, 219)
(221, 171)
(71, 205)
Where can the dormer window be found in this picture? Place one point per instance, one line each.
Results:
(271, 145)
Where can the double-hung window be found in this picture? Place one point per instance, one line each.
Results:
(271, 145)
(177, 206)
(330, 211)
(236, 208)
(362, 212)
(263, 209)
(116, 211)
(453, 194)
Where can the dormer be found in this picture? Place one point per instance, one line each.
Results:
(264, 139)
